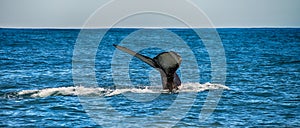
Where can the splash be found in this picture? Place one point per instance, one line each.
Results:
(196, 87)
(85, 91)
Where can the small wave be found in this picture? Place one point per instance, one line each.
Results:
(88, 91)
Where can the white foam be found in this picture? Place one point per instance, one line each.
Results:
(88, 91)
(197, 87)
(64, 91)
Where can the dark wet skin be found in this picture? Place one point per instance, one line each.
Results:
(166, 63)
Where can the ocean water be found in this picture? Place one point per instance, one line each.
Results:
(44, 84)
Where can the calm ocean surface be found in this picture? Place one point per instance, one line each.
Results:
(37, 86)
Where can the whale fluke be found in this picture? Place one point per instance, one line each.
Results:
(166, 63)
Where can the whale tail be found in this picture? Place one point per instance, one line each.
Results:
(166, 63)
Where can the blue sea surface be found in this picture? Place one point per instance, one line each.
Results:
(37, 86)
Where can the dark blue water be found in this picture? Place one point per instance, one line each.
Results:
(262, 72)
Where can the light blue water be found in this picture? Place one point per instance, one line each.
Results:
(37, 87)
